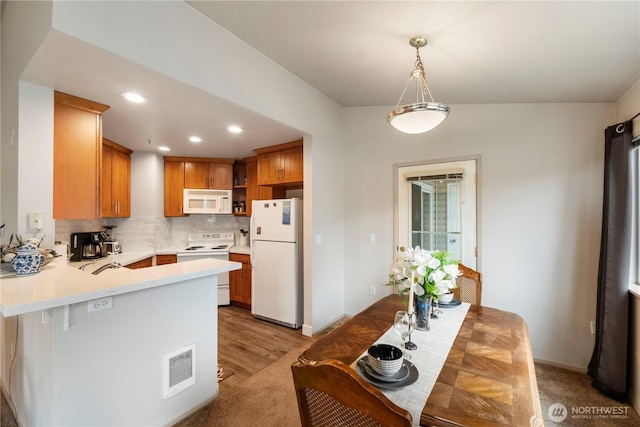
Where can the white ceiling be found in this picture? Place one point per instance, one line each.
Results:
(357, 53)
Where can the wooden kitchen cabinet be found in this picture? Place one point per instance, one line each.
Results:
(115, 187)
(162, 259)
(193, 172)
(204, 173)
(77, 141)
(259, 192)
(143, 263)
(240, 282)
(281, 165)
(173, 187)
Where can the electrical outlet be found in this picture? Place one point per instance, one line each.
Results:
(372, 291)
(100, 304)
(593, 327)
(12, 351)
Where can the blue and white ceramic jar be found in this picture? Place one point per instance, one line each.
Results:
(28, 260)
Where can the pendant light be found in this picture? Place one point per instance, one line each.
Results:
(421, 116)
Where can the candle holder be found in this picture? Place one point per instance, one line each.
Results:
(409, 345)
(433, 314)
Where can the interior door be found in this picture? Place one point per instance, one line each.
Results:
(447, 213)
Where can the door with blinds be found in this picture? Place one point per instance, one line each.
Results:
(436, 208)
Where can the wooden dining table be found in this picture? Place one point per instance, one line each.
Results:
(488, 377)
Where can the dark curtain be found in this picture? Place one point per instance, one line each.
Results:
(608, 366)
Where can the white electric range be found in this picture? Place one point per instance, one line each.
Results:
(210, 245)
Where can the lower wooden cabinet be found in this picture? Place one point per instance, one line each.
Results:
(147, 262)
(162, 259)
(240, 282)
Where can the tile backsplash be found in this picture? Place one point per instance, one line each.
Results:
(153, 233)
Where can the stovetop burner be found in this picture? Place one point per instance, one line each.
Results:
(209, 242)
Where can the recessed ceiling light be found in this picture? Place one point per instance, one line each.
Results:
(164, 148)
(134, 97)
(195, 139)
(234, 129)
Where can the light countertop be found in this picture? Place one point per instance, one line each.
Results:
(61, 283)
(237, 249)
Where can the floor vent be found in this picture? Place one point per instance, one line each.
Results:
(179, 370)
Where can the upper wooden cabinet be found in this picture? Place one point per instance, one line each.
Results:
(281, 164)
(193, 172)
(115, 189)
(173, 187)
(215, 174)
(77, 141)
(258, 192)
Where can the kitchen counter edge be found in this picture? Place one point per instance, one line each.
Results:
(61, 283)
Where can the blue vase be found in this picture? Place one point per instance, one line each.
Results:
(422, 307)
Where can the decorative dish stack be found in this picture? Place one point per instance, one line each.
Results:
(385, 367)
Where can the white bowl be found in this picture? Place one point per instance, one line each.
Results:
(446, 298)
(385, 359)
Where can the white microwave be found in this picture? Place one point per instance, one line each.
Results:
(197, 201)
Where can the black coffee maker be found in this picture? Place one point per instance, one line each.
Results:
(87, 245)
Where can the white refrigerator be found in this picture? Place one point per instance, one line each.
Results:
(276, 261)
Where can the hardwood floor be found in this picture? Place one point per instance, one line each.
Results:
(247, 345)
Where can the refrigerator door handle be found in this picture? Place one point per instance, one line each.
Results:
(253, 255)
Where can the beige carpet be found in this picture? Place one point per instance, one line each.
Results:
(266, 399)
(585, 406)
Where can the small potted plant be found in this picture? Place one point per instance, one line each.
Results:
(244, 237)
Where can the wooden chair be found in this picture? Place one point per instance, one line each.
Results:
(469, 286)
(330, 393)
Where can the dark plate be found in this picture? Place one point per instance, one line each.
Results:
(452, 303)
(361, 367)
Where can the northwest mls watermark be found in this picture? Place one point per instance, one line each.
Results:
(558, 412)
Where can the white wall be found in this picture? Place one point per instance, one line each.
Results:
(147, 184)
(107, 369)
(540, 202)
(628, 106)
(35, 160)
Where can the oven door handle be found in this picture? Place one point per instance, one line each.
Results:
(201, 254)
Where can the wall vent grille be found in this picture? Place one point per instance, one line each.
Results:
(179, 370)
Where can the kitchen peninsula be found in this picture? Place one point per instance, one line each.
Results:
(74, 365)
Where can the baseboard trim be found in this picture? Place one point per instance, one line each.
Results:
(307, 330)
(561, 365)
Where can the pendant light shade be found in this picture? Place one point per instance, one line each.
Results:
(421, 116)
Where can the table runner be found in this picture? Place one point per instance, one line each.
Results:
(433, 349)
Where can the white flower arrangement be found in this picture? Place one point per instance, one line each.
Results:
(432, 272)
